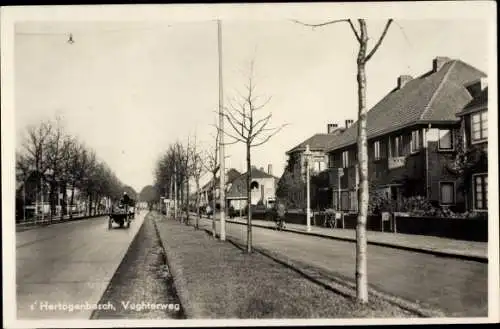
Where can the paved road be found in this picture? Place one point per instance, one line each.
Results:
(455, 286)
(69, 263)
(142, 287)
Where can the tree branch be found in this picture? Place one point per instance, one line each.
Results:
(379, 42)
(235, 128)
(269, 136)
(356, 33)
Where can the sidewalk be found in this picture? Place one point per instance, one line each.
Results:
(470, 250)
(30, 224)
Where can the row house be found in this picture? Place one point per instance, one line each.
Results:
(412, 134)
(474, 134)
(296, 167)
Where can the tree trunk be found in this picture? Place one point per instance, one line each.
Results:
(214, 203)
(249, 202)
(187, 203)
(197, 202)
(64, 203)
(361, 257)
(72, 200)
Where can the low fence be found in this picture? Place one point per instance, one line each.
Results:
(468, 229)
(47, 219)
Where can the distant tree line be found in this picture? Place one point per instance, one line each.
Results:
(61, 163)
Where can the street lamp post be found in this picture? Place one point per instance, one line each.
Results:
(308, 183)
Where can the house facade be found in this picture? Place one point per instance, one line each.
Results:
(412, 136)
(294, 175)
(263, 189)
(474, 134)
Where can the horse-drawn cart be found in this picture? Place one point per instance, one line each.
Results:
(121, 215)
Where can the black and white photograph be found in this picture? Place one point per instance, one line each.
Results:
(249, 164)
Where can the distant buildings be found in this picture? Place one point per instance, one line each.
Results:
(294, 173)
(263, 189)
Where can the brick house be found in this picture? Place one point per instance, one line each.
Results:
(411, 136)
(474, 134)
(263, 188)
(295, 170)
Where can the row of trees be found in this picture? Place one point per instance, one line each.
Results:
(180, 164)
(52, 161)
(252, 132)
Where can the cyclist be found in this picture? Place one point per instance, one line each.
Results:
(280, 215)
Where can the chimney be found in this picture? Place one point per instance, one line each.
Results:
(331, 127)
(438, 62)
(270, 169)
(403, 80)
(348, 123)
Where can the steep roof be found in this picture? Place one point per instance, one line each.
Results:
(317, 142)
(231, 175)
(430, 98)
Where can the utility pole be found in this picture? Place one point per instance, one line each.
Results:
(221, 142)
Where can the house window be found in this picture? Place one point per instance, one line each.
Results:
(447, 192)
(321, 166)
(445, 139)
(344, 202)
(479, 126)
(376, 150)
(335, 200)
(354, 201)
(345, 159)
(480, 192)
(397, 146)
(415, 141)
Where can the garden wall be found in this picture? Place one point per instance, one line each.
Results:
(469, 229)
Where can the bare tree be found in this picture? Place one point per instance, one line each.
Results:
(364, 55)
(211, 164)
(59, 159)
(250, 129)
(196, 169)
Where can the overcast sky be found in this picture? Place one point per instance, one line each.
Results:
(130, 89)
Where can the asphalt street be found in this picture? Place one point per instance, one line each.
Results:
(62, 269)
(458, 287)
(142, 287)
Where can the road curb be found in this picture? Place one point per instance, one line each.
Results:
(180, 284)
(339, 286)
(437, 253)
